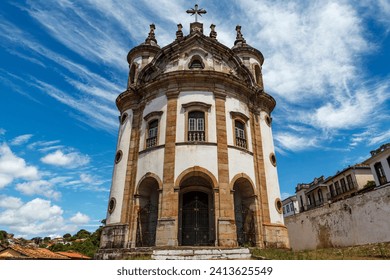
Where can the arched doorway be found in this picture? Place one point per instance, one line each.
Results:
(244, 212)
(196, 215)
(148, 196)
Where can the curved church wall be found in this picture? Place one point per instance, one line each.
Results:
(271, 174)
(119, 172)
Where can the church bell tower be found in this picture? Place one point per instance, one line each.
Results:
(195, 162)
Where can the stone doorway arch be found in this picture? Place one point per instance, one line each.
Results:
(148, 201)
(196, 209)
(245, 211)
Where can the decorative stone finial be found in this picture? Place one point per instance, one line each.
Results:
(151, 39)
(213, 33)
(179, 32)
(239, 38)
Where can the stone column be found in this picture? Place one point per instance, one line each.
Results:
(129, 211)
(262, 207)
(227, 235)
(167, 225)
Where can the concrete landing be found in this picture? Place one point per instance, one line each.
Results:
(202, 254)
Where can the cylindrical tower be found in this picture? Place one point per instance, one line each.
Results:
(195, 162)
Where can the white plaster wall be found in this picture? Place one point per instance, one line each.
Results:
(383, 159)
(192, 96)
(157, 104)
(196, 155)
(241, 162)
(152, 161)
(271, 173)
(358, 220)
(234, 105)
(119, 172)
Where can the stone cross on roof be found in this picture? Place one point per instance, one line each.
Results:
(196, 11)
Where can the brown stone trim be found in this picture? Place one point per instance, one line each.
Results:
(240, 149)
(151, 149)
(149, 175)
(226, 231)
(196, 171)
(155, 114)
(201, 105)
(196, 143)
(169, 158)
(262, 208)
(128, 211)
(239, 115)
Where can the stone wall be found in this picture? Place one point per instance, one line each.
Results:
(358, 220)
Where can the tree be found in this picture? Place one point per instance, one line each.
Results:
(67, 236)
(82, 234)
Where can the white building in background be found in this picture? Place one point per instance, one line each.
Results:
(380, 164)
(290, 206)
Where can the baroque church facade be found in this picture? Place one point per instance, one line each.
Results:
(195, 162)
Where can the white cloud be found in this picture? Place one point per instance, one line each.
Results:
(20, 140)
(79, 218)
(2, 131)
(293, 142)
(10, 202)
(68, 160)
(41, 187)
(12, 167)
(380, 138)
(37, 217)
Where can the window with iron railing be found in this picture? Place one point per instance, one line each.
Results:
(240, 134)
(151, 141)
(380, 173)
(196, 126)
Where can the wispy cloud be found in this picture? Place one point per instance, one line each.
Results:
(20, 140)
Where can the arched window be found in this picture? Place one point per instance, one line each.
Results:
(152, 134)
(258, 74)
(239, 128)
(133, 70)
(196, 126)
(196, 63)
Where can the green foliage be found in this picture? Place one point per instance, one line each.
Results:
(3, 235)
(67, 236)
(370, 184)
(82, 233)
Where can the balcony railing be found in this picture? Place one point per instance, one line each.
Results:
(151, 142)
(241, 142)
(194, 136)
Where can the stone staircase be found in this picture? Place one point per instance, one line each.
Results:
(202, 254)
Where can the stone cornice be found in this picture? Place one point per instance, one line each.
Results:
(198, 80)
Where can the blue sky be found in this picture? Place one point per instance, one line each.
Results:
(64, 62)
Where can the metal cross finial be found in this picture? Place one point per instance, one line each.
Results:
(196, 11)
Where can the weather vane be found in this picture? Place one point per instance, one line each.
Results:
(196, 11)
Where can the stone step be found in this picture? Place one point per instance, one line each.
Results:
(202, 254)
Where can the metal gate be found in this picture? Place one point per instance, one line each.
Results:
(146, 226)
(195, 219)
(245, 223)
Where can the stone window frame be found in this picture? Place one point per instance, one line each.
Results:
(149, 118)
(196, 106)
(111, 205)
(242, 118)
(279, 205)
(123, 118)
(272, 159)
(196, 58)
(118, 156)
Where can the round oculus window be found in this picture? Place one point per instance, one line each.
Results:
(278, 205)
(118, 156)
(111, 205)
